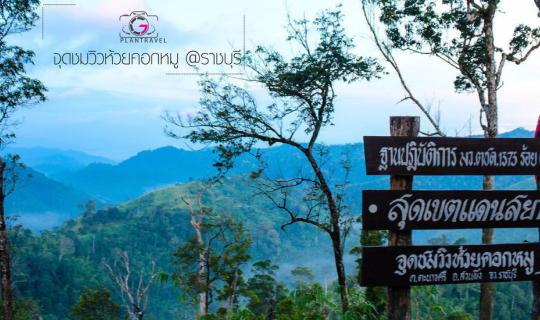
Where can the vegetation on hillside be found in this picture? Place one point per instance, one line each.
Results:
(273, 241)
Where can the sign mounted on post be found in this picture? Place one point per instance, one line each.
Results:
(451, 156)
(430, 265)
(402, 209)
(410, 210)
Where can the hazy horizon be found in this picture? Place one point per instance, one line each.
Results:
(179, 146)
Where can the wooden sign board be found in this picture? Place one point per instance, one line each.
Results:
(451, 156)
(432, 265)
(411, 210)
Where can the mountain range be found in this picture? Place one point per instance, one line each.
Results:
(50, 161)
(61, 181)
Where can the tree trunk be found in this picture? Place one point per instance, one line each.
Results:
(140, 314)
(271, 310)
(202, 281)
(196, 221)
(399, 298)
(491, 131)
(340, 270)
(207, 281)
(487, 290)
(335, 233)
(232, 297)
(535, 311)
(4, 252)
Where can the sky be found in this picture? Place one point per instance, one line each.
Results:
(116, 111)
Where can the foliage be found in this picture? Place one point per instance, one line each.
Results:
(302, 88)
(16, 88)
(428, 304)
(308, 301)
(268, 298)
(303, 276)
(263, 291)
(95, 305)
(460, 34)
(67, 261)
(213, 267)
(303, 99)
(23, 310)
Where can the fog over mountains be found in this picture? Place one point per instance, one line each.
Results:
(57, 183)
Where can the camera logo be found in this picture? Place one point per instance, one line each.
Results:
(139, 27)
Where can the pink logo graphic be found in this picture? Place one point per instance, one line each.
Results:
(138, 24)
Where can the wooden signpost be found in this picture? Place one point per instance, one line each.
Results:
(431, 265)
(452, 156)
(416, 210)
(401, 210)
(399, 297)
(535, 310)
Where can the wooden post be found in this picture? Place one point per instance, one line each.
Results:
(399, 299)
(535, 312)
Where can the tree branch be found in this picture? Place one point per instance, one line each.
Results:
(387, 54)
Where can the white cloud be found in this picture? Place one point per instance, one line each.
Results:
(216, 25)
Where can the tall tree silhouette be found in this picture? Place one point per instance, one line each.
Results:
(303, 95)
(16, 90)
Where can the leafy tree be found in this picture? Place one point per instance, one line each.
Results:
(303, 95)
(460, 33)
(363, 309)
(16, 90)
(263, 290)
(234, 259)
(96, 305)
(309, 301)
(23, 310)
(429, 304)
(89, 208)
(303, 276)
(208, 266)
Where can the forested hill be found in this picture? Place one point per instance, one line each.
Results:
(150, 227)
(40, 202)
(69, 260)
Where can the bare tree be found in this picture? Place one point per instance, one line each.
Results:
(133, 288)
(197, 217)
(385, 48)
